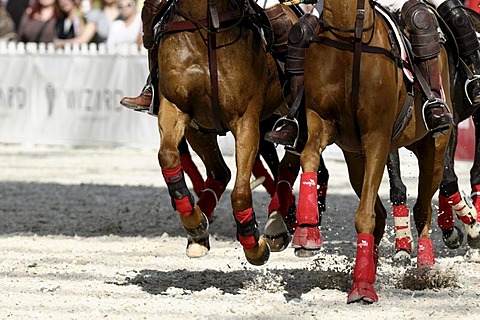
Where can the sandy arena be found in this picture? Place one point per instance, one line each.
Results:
(89, 233)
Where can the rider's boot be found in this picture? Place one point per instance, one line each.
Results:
(149, 11)
(422, 27)
(461, 24)
(286, 130)
(144, 99)
(281, 25)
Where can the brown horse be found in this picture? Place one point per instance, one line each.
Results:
(214, 72)
(361, 123)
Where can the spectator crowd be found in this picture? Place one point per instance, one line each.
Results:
(113, 22)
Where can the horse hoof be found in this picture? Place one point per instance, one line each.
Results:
(362, 292)
(259, 254)
(307, 237)
(402, 257)
(198, 243)
(305, 253)
(473, 243)
(198, 248)
(472, 255)
(453, 238)
(276, 233)
(278, 243)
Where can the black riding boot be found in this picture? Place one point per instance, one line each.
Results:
(287, 130)
(422, 27)
(461, 24)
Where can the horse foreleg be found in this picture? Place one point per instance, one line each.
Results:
(172, 125)
(401, 214)
(255, 247)
(366, 172)
(307, 239)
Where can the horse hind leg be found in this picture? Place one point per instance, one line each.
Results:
(401, 214)
(280, 224)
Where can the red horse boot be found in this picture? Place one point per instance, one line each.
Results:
(466, 213)
(403, 233)
(425, 256)
(307, 236)
(209, 197)
(452, 236)
(192, 172)
(364, 272)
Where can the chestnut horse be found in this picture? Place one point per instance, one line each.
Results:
(361, 123)
(214, 72)
(450, 198)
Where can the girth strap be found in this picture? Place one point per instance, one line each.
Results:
(212, 18)
(357, 51)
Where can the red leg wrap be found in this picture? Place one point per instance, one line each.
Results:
(172, 176)
(210, 196)
(459, 205)
(364, 272)
(307, 235)
(307, 211)
(445, 214)
(247, 242)
(260, 171)
(403, 240)
(192, 172)
(475, 195)
(425, 256)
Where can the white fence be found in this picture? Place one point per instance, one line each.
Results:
(71, 96)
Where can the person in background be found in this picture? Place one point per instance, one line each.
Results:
(127, 29)
(71, 22)
(16, 9)
(38, 22)
(7, 26)
(97, 25)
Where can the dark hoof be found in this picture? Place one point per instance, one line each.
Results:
(403, 258)
(473, 243)
(276, 232)
(278, 243)
(453, 238)
(306, 253)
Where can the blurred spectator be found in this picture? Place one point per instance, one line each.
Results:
(71, 22)
(127, 29)
(97, 25)
(38, 22)
(7, 26)
(16, 9)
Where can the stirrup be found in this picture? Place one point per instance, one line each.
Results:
(281, 122)
(429, 103)
(467, 82)
(150, 109)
